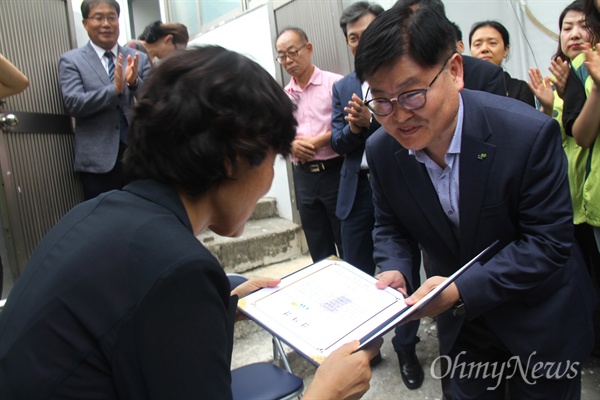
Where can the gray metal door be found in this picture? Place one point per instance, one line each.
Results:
(38, 185)
(320, 21)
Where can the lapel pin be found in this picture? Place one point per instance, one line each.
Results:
(481, 156)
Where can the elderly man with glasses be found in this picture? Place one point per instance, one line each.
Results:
(316, 166)
(457, 170)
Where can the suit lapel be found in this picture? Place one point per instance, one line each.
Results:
(424, 194)
(476, 160)
(355, 87)
(91, 57)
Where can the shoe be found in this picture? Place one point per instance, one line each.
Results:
(376, 360)
(410, 369)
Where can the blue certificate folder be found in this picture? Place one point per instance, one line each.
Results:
(318, 308)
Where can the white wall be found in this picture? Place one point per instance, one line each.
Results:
(251, 34)
(530, 45)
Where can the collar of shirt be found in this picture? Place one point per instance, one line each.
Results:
(365, 87)
(100, 52)
(315, 79)
(454, 148)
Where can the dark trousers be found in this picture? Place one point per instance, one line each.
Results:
(405, 336)
(96, 184)
(316, 198)
(357, 229)
(478, 347)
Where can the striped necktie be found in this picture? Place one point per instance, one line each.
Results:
(111, 65)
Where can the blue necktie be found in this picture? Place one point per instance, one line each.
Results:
(111, 65)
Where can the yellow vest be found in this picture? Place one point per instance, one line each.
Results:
(585, 184)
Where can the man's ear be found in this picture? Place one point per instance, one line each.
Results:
(455, 66)
(309, 48)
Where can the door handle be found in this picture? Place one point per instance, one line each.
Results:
(8, 121)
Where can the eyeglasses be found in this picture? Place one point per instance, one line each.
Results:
(291, 54)
(411, 100)
(353, 40)
(99, 18)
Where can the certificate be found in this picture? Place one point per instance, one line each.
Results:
(329, 303)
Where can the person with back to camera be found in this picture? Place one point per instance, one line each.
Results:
(120, 299)
(458, 170)
(160, 39)
(12, 81)
(490, 41)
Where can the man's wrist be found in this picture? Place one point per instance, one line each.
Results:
(134, 85)
(458, 310)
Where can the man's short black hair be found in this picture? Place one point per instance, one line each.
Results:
(425, 35)
(428, 3)
(202, 110)
(355, 11)
(87, 5)
(457, 31)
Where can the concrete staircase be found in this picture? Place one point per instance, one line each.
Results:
(267, 239)
(270, 247)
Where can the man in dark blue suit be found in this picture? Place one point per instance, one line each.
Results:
(351, 124)
(456, 170)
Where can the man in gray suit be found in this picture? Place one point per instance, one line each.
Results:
(98, 83)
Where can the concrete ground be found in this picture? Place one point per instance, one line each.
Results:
(386, 383)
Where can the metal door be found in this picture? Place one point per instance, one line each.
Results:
(37, 184)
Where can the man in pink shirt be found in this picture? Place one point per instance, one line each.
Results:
(316, 166)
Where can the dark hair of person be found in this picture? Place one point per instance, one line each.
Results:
(592, 19)
(457, 31)
(425, 35)
(428, 3)
(577, 6)
(355, 11)
(492, 24)
(298, 32)
(158, 30)
(87, 5)
(202, 110)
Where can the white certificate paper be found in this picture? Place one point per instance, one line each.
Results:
(327, 304)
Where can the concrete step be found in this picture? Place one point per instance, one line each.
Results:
(265, 208)
(267, 239)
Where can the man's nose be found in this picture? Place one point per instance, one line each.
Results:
(400, 113)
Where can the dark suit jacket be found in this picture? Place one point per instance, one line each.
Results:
(345, 142)
(518, 89)
(513, 188)
(119, 300)
(483, 75)
(90, 97)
